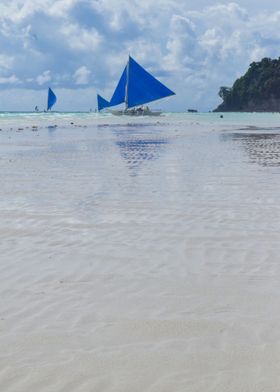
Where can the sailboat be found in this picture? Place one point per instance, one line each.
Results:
(136, 88)
(51, 99)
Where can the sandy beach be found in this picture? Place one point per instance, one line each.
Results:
(140, 254)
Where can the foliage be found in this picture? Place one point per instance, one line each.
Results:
(261, 82)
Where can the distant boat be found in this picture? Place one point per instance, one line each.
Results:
(136, 88)
(192, 111)
(51, 99)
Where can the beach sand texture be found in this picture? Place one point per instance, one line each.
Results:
(140, 255)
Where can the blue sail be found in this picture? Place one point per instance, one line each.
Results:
(51, 99)
(102, 103)
(119, 93)
(143, 87)
(136, 87)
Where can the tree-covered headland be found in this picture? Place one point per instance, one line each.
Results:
(256, 91)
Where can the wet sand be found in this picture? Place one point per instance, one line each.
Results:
(139, 255)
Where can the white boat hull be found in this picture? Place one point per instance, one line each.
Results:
(135, 112)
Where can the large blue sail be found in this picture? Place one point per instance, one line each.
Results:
(102, 103)
(119, 93)
(143, 87)
(135, 87)
(51, 99)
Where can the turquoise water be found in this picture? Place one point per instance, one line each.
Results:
(25, 119)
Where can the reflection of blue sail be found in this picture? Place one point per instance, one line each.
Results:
(138, 87)
(51, 99)
(137, 151)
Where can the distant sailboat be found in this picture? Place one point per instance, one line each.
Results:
(136, 87)
(51, 99)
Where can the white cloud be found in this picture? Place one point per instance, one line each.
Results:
(9, 80)
(61, 7)
(82, 75)
(44, 78)
(192, 47)
(6, 62)
(81, 39)
(18, 10)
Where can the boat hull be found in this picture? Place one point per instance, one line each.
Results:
(135, 112)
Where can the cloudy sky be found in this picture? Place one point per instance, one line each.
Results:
(80, 47)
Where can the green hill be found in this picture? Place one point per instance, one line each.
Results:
(256, 91)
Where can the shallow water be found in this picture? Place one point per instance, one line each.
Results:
(140, 254)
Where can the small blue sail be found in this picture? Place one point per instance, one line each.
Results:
(51, 99)
(143, 87)
(119, 93)
(102, 103)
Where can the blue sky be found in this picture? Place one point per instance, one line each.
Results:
(79, 48)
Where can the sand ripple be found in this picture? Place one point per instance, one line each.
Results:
(139, 257)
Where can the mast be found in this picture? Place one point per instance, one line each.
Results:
(126, 84)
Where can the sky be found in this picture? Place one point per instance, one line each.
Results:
(80, 47)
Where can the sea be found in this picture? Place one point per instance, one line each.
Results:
(139, 253)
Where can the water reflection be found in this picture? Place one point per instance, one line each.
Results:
(262, 148)
(139, 147)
